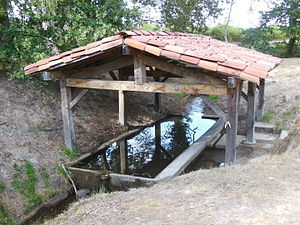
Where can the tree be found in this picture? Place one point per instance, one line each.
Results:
(185, 16)
(286, 14)
(41, 28)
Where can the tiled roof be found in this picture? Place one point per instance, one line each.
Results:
(199, 50)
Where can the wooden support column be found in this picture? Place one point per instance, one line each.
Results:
(122, 112)
(139, 70)
(123, 156)
(66, 97)
(157, 97)
(251, 113)
(232, 119)
(261, 100)
(157, 101)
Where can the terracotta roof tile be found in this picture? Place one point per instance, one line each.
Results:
(189, 59)
(228, 70)
(249, 77)
(196, 49)
(135, 44)
(153, 50)
(171, 55)
(208, 65)
(255, 71)
(236, 64)
(174, 48)
(157, 43)
(143, 39)
(111, 44)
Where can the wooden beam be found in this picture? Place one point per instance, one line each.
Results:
(69, 134)
(217, 110)
(122, 112)
(232, 119)
(113, 75)
(156, 87)
(251, 113)
(78, 98)
(139, 70)
(94, 71)
(261, 100)
(180, 71)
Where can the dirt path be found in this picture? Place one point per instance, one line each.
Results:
(266, 191)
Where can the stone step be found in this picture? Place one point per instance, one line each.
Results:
(259, 137)
(265, 127)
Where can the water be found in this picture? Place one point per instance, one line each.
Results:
(155, 147)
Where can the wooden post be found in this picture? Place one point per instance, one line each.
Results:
(66, 97)
(139, 70)
(122, 112)
(123, 155)
(232, 117)
(261, 100)
(251, 113)
(240, 93)
(157, 101)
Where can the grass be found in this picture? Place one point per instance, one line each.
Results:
(4, 216)
(267, 116)
(180, 96)
(2, 187)
(62, 172)
(213, 97)
(25, 183)
(71, 154)
(278, 126)
(50, 190)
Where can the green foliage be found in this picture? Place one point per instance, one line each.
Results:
(2, 187)
(100, 190)
(267, 116)
(50, 190)
(213, 97)
(286, 15)
(258, 39)
(185, 16)
(25, 183)
(71, 154)
(234, 33)
(4, 216)
(278, 126)
(150, 26)
(180, 96)
(42, 28)
(61, 171)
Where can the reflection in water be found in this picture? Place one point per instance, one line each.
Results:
(150, 151)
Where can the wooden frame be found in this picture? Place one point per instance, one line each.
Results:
(156, 87)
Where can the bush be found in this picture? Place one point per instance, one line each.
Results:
(234, 33)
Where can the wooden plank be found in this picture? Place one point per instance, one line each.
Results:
(214, 107)
(78, 98)
(180, 70)
(156, 87)
(69, 134)
(232, 119)
(139, 70)
(178, 165)
(122, 112)
(251, 113)
(261, 100)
